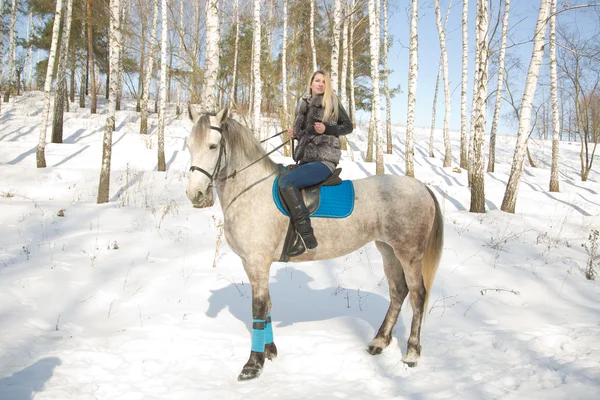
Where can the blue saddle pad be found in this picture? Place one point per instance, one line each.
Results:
(336, 201)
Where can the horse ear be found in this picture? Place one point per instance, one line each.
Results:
(193, 113)
(222, 115)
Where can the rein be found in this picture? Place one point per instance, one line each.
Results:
(224, 151)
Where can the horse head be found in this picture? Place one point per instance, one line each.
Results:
(206, 145)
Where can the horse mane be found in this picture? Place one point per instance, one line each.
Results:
(241, 145)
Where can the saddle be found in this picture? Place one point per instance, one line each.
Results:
(312, 194)
(312, 200)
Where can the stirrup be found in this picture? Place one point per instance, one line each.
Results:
(298, 248)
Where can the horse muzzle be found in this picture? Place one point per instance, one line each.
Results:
(202, 200)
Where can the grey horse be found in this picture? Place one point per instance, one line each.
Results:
(400, 214)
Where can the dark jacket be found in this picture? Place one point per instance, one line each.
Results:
(319, 147)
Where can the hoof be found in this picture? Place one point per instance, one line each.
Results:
(410, 360)
(271, 351)
(249, 373)
(374, 350)
(410, 364)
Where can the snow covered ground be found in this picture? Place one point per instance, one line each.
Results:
(121, 300)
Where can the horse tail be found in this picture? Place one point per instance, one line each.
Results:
(433, 251)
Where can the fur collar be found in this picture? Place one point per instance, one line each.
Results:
(315, 101)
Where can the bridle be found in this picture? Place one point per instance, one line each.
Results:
(223, 151)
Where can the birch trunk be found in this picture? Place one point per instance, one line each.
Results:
(284, 83)
(374, 44)
(180, 54)
(123, 44)
(163, 89)
(433, 113)
(257, 83)
(344, 76)
(10, 73)
(442, 35)
(1, 50)
(61, 78)
(115, 54)
(386, 74)
(335, 48)
(233, 97)
(510, 196)
(29, 50)
(413, 68)
(313, 48)
(40, 156)
(88, 23)
(554, 183)
(492, 155)
(148, 73)
(82, 59)
(464, 84)
(211, 67)
(352, 100)
(478, 184)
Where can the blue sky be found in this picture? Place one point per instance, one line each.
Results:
(522, 11)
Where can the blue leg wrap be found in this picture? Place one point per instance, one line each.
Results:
(258, 335)
(268, 330)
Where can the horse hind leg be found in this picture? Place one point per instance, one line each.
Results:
(398, 291)
(418, 295)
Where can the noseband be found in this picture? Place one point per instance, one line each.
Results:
(217, 167)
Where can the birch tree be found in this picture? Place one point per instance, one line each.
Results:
(83, 59)
(344, 76)
(257, 83)
(40, 156)
(284, 82)
(233, 98)
(413, 67)
(313, 48)
(1, 48)
(433, 112)
(477, 184)
(554, 183)
(90, 41)
(163, 89)
(12, 43)
(61, 77)
(499, 87)
(351, 100)
(374, 43)
(510, 196)
(211, 68)
(386, 74)
(335, 46)
(148, 72)
(464, 84)
(122, 21)
(29, 73)
(115, 54)
(442, 35)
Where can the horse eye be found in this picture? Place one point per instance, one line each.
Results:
(212, 146)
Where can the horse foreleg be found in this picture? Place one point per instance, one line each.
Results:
(398, 291)
(258, 274)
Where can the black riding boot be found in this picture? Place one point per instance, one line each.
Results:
(301, 218)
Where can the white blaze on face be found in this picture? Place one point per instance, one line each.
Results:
(204, 148)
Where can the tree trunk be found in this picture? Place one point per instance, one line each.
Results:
(287, 149)
(352, 101)
(386, 74)
(344, 76)
(148, 73)
(41, 148)
(211, 66)
(433, 112)
(442, 35)
(83, 59)
(313, 48)
(234, 79)
(10, 75)
(91, 57)
(554, 183)
(257, 82)
(374, 44)
(163, 89)
(492, 155)
(122, 21)
(115, 54)
(335, 45)
(413, 68)
(510, 196)
(478, 183)
(464, 84)
(29, 72)
(61, 78)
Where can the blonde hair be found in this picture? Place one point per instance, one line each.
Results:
(330, 100)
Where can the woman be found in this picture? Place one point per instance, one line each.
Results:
(320, 121)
